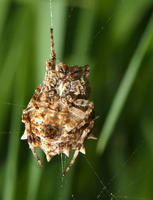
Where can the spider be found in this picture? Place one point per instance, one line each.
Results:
(59, 116)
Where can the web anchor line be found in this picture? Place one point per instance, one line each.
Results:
(51, 13)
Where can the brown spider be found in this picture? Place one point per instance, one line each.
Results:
(59, 117)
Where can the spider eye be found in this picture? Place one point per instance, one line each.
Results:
(61, 67)
(62, 70)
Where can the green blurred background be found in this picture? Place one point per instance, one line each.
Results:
(116, 39)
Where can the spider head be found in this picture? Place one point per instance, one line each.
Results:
(62, 69)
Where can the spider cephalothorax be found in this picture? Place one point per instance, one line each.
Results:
(59, 117)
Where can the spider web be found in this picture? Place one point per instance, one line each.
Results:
(105, 192)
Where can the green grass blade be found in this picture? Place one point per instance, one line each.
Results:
(124, 88)
(34, 179)
(9, 70)
(13, 148)
(82, 42)
(4, 7)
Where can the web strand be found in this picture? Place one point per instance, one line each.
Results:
(104, 187)
(62, 166)
(51, 13)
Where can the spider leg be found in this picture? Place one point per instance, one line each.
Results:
(35, 155)
(78, 71)
(86, 78)
(80, 144)
(53, 55)
(86, 68)
(72, 161)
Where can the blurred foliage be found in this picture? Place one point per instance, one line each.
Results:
(106, 35)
